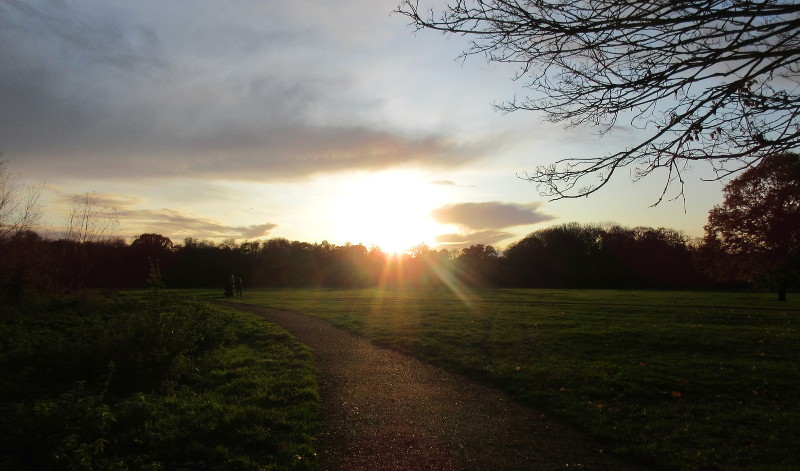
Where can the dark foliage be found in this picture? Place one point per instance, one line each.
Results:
(570, 255)
(575, 256)
(754, 235)
(153, 382)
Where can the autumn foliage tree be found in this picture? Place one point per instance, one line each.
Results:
(755, 233)
(710, 80)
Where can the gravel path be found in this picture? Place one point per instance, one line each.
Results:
(383, 410)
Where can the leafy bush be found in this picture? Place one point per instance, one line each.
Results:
(130, 383)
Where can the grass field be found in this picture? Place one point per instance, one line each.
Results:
(137, 383)
(681, 379)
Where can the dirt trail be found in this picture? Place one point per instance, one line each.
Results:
(383, 410)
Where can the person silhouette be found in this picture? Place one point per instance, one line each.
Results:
(230, 286)
(238, 285)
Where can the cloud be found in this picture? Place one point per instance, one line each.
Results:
(490, 215)
(259, 230)
(101, 200)
(179, 225)
(122, 92)
(486, 237)
(172, 223)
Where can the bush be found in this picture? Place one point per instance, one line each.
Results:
(147, 383)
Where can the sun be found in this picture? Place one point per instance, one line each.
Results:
(388, 209)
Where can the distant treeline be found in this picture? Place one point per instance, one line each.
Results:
(564, 256)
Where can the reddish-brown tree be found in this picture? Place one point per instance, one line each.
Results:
(755, 233)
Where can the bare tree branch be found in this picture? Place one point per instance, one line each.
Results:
(711, 80)
(20, 210)
(88, 221)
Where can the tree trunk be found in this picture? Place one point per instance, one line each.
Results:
(781, 293)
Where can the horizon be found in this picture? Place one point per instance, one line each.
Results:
(396, 252)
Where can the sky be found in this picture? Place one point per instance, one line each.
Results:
(308, 120)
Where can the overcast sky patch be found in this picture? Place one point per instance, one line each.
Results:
(89, 91)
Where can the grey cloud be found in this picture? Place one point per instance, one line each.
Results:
(486, 237)
(490, 215)
(299, 150)
(103, 200)
(78, 37)
(88, 93)
(177, 224)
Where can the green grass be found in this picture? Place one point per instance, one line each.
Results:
(137, 383)
(682, 379)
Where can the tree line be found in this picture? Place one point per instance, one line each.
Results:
(565, 256)
(751, 239)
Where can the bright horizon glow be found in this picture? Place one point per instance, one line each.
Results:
(390, 210)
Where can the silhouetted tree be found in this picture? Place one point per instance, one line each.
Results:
(108, 268)
(152, 244)
(89, 220)
(89, 225)
(569, 255)
(559, 256)
(711, 80)
(348, 266)
(521, 262)
(20, 210)
(148, 251)
(426, 267)
(24, 265)
(478, 264)
(272, 268)
(646, 257)
(756, 231)
(591, 256)
(198, 263)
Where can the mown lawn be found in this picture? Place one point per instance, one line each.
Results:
(152, 383)
(681, 379)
